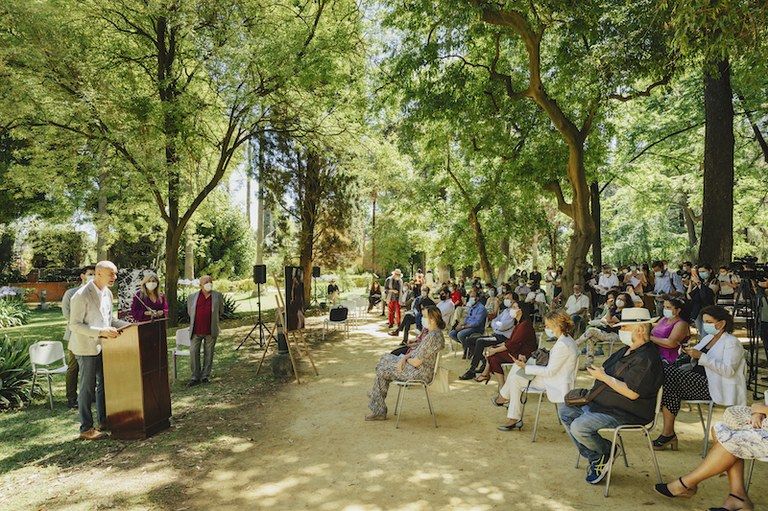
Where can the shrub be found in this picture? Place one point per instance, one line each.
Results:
(15, 374)
(13, 312)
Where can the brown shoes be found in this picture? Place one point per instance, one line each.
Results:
(92, 434)
(374, 417)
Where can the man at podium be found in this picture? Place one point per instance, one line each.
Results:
(90, 320)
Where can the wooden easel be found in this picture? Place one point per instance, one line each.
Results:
(299, 333)
(279, 320)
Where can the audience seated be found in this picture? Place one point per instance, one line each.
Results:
(522, 288)
(577, 306)
(418, 364)
(671, 331)
(446, 306)
(556, 378)
(473, 324)
(374, 294)
(603, 329)
(629, 381)
(713, 369)
(700, 295)
(636, 279)
(414, 315)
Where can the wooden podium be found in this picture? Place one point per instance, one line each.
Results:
(137, 392)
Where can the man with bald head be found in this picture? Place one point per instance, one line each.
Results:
(90, 321)
(204, 308)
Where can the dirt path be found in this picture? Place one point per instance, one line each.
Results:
(308, 447)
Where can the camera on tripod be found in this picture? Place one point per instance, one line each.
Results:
(747, 267)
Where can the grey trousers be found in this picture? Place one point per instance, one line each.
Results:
(91, 389)
(208, 342)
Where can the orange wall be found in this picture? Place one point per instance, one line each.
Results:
(55, 290)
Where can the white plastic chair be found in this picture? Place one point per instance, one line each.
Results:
(646, 430)
(47, 354)
(415, 383)
(183, 338)
(343, 323)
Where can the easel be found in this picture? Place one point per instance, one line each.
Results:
(281, 323)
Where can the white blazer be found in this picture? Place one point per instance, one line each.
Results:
(559, 375)
(724, 365)
(85, 320)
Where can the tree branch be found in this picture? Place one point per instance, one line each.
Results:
(562, 205)
(646, 92)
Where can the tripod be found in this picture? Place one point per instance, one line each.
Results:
(259, 324)
(314, 292)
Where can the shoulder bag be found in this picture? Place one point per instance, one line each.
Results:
(581, 397)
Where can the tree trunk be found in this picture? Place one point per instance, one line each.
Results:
(260, 194)
(690, 222)
(312, 186)
(717, 212)
(485, 262)
(535, 250)
(597, 244)
(583, 225)
(102, 219)
(504, 246)
(172, 272)
(373, 234)
(189, 254)
(552, 239)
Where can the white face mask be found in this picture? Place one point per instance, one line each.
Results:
(470, 302)
(89, 278)
(151, 286)
(208, 286)
(620, 303)
(424, 294)
(658, 273)
(668, 313)
(491, 292)
(549, 333)
(626, 337)
(633, 268)
(507, 303)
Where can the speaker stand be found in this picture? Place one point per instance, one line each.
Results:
(259, 324)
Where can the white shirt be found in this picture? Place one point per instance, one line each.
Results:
(574, 304)
(105, 307)
(504, 322)
(606, 282)
(536, 296)
(446, 309)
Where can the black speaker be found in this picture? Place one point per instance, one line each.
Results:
(316, 272)
(260, 274)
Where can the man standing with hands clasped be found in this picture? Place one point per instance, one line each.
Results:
(91, 320)
(86, 275)
(204, 308)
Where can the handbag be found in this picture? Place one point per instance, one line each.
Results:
(581, 397)
(541, 356)
(740, 417)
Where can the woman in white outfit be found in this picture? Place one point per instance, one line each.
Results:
(556, 378)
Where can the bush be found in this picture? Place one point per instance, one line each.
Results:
(230, 308)
(15, 374)
(13, 311)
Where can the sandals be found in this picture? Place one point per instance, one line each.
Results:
(663, 489)
(496, 403)
(725, 508)
(662, 442)
(482, 378)
(511, 427)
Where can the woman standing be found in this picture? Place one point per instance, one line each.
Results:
(418, 364)
(716, 373)
(149, 303)
(556, 378)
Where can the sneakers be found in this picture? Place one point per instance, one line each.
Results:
(598, 470)
(375, 417)
(92, 434)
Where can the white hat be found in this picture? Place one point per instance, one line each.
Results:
(634, 316)
(397, 272)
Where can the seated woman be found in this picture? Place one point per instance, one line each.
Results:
(731, 447)
(635, 278)
(700, 295)
(374, 294)
(556, 378)
(521, 342)
(629, 381)
(149, 303)
(671, 331)
(717, 373)
(503, 331)
(418, 364)
(603, 329)
(414, 315)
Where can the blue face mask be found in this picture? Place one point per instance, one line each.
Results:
(549, 333)
(704, 275)
(710, 329)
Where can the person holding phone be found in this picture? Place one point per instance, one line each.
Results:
(91, 320)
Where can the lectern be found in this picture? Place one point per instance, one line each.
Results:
(137, 392)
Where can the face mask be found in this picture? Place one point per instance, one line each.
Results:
(620, 303)
(470, 302)
(577, 294)
(710, 329)
(491, 292)
(208, 287)
(151, 286)
(549, 333)
(668, 313)
(626, 337)
(658, 273)
(507, 303)
(424, 294)
(704, 275)
(633, 268)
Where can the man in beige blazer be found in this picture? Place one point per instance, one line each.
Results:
(90, 320)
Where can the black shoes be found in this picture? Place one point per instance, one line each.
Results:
(469, 375)
(193, 383)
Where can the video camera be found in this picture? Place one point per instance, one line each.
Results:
(747, 267)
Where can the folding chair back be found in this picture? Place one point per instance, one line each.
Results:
(183, 337)
(45, 353)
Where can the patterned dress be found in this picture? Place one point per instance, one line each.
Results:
(747, 443)
(386, 370)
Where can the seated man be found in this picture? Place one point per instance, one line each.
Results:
(502, 330)
(473, 324)
(624, 392)
(446, 306)
(413, 315)
(577, 306)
